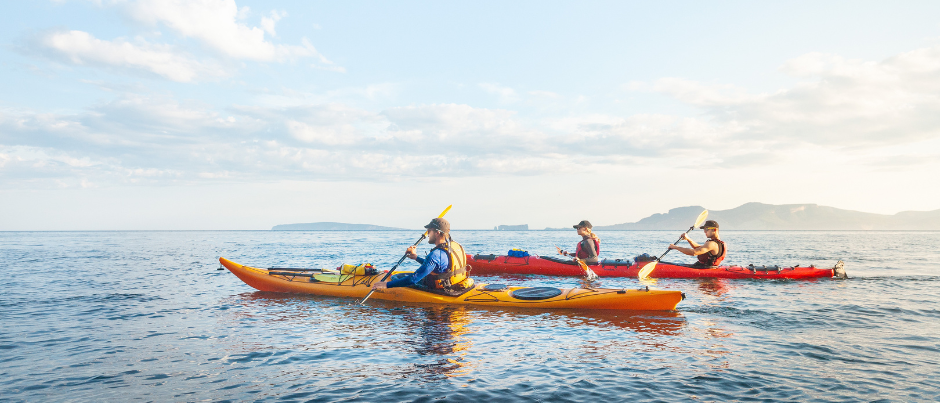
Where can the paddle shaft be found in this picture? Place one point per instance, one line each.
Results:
(389, 274)
(646, 270)
(675, 243)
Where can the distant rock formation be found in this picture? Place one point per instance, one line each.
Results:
(760, 216)
(332, 226)
(523, 227)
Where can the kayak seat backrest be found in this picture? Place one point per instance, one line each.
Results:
(441, 291)
(536, 293)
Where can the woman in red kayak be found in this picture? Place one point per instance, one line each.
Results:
(590, 245)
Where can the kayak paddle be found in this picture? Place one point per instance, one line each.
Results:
(589, 274)
(389, 274)
(646, 270)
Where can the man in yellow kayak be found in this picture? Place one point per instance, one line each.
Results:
(712, 252)
(445, 267)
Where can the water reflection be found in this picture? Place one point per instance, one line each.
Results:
(715, 287)
(663, 323)
(441, 334)
(430, 342)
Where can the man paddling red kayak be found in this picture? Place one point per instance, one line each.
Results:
(712, 252)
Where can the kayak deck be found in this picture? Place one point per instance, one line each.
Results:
(492, 264)
(356, 286)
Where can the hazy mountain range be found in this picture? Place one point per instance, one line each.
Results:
(760, 216)
(750, 216)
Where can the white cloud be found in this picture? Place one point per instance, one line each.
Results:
(545, 94)
(267, 23)
(243, 12)
(506, 94)
(82, 48)
(148, 140)
(701, 94)
(839, 102)
(839, 107)
(216, 24)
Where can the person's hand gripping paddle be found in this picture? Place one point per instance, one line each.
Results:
(646, 270)
(589, 274)
(389, 274)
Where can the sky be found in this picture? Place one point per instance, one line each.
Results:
(225, 115)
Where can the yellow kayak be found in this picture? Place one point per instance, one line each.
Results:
(323, 282)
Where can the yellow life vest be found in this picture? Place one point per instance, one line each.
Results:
(455, 277)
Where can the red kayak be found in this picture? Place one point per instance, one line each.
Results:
(550, 266)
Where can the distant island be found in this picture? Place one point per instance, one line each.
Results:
(760, 216)
(332, 226)
(523, 227)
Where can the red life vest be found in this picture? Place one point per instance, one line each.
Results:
(582, 254)
(708, 259)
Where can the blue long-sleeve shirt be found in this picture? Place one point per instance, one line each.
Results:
(437, 262)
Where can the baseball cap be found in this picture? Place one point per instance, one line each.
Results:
(439, 224)
(709, 224)
(583, 224)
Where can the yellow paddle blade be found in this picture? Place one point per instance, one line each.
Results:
(441, 216)
(646, 270)
(448, 209)
(699, 221)
(588, 273)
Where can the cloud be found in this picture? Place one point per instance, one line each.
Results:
(545, 94)
(267, 23)
(839, 102)
(506, 94)
(700, 94)
(213, 23)
(81, 48)
(839, 107)
(137, 139)
(216, 24)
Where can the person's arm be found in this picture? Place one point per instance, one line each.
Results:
(575, 254)
(412, 255)
(697, 249)
(690, 241)
(433, 261)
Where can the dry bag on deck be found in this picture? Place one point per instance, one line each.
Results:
(517, 253)
(364, 269)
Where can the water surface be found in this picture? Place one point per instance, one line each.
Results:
(145, 316)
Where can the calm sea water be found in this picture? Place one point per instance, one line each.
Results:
(145, 316)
